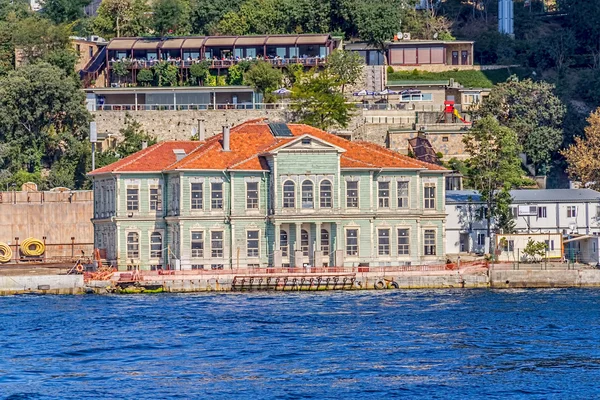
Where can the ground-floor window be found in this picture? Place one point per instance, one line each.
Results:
(133, 245)
(197, 244)
(252, 244)
(383, 242)
(325, 241)
(429, 242)
(197, 266)
(403, 242)
(216, 244)
(351, 242)
(283, 243)
(155, 245)
(304, 242)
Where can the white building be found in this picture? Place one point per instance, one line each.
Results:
(564, 211)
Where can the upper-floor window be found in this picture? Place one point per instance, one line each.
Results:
(156, 198)
(252, 245)
(133, 245)
(304, 242)
(352, 194)
(403, 242)
(383, 242)
(383, 193)
(325, 241)
(542, 212)
(251, 194)
(283, 243)
(403, 194)
(351, 242)
(196, 196)
(216, 244)
(429, 242)
(571, 211)
(197, 244)
(307, 194)
(429, 196)
(216, 195)
(480, 239)
(133, 198)
(289, 194)
(155, 245)
(325, 193)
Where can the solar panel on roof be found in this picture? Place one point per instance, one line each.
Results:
(280, 130)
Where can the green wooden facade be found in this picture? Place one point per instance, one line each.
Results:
(301, 210)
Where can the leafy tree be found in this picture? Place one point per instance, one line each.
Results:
(122, 18)
(145, 77)
(583, 157)
(233, 23)
(205, 14)
(584, 18)
(42, 113)
(264, 78)
(377, 23)
(533, 111)
(346, 67)
(534, 250)
(166, 74)
(561, 46)
(293, 72)
(235, 75)
(317, 101)
(61, 11)
(199, 71)
(171, 16)
(121, 69)
(495, 165)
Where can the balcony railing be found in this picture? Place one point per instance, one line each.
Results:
(141, 64)
(192, 107)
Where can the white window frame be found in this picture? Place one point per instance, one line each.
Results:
(254, 251)
(325, 241)
(326, 196)
(403, 248)
(429, 249)
(213, 248)
(542, 212)
(130, 255)
(133, 204)
(571, 211)
(284, 246)
(429, 196)
(217, 203)
(403, 199)
(305, 242)
(384, 249)
(197, 203)
(155, 200)
(307, 197)
(197, 253)
(353, 201)
(481, 242)
(383, 194)
(252, 203)
(287, 200)
(154, 253)
(355, 252)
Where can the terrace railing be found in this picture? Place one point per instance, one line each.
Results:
(306, 61)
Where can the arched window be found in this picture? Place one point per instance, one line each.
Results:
(155, 245)
(304, 242)
(133, 245)
(325, 241)
(289, 195)
(283, 243)
(325, 194)
(307, 194)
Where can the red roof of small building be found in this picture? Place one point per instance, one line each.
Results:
(249, 142)
(155, 158)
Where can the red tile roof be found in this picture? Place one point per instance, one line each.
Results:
(248, 143)
(155, 158)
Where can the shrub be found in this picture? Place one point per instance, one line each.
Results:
(145, 77)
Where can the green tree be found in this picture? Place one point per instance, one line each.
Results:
(199, 71)
(63, 11)
(122, 18)
(42, 114)
(495, 167)
(583, 157)
(205, 14)
(534, 250)
(121, 69)
(171, 17)
(166, 74)
(232, 23)
(145, 77)
(235, 75)
(317, 101)
(584, 18)
(346, 67)
(533, 111)
(264, 78)
(377, 22)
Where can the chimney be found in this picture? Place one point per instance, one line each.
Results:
(144, 145)
(179, 154)
(201, 130)
(226, 138)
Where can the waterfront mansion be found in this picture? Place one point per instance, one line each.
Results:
(268, 195)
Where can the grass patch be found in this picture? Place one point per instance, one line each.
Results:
(472, 78)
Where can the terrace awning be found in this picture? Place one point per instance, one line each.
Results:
(121, 44)
(312, 39)
(286, 40)
(194, 43)
(250, 41)
(172, 44)
(220, 41)
(146, 44)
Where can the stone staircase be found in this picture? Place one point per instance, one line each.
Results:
(374, 78)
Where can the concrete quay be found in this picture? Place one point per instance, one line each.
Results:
(207, 281)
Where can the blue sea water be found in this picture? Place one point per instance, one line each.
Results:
(455, 344)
